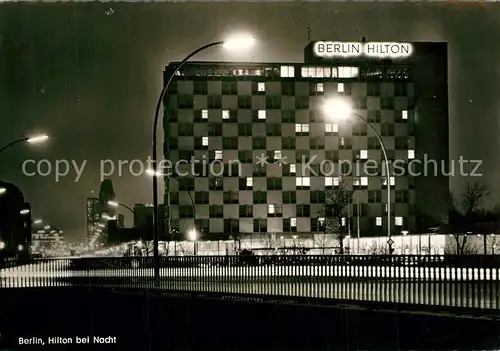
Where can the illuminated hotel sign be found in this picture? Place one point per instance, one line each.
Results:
(370, 49)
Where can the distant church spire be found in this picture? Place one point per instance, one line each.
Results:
(308, 33)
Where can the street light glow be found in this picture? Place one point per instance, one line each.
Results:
(38, 139)
(37, 221)
(20, 247)
(192, 235)
(113, 203)
(24, 211)
(2, 191)
(2, 245)
(338, 108)
(239, 43)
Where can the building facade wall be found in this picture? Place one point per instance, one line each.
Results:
(241, 113)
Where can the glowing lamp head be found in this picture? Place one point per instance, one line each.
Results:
(404, 232)
(238, 43)
(192, 235)
(38, 139)
(3, 191)
(153, 173)
(113, 203)
(20, 247)
(2, 245)
(24, 211)
(338, 108)
(37, 221)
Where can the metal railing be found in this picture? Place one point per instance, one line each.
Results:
(446, 281)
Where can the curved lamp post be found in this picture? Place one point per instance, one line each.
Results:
(31, 140)
(237, 43)
(341, 108)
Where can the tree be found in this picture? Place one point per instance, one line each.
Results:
(465, 212)
(336, 201)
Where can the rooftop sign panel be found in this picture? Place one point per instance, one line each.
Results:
(331, 49)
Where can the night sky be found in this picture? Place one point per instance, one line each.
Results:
(90, 74)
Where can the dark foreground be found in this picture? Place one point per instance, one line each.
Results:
(151, 321)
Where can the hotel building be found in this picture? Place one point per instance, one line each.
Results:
(245, 111)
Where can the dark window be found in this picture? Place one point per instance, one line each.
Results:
(288, 88)
(360, 103)
(373, 143)
(203, 225)
(231, 197)
(303, 210)
(289, 197)
(185, 129)
(245, 129)
(332, 155)
(259, 171)
(216, 211)
(288, 143)
(174, 198)
(186, 211)
(229, 88)
(173, 116)
(301, 156)
(246, 211)
(214, 101)
(374, 196)
(245, 156)
(302, 102)
(386, 103)
(259, 197)
(230, 143)
(273, 129)
(400, 89)
(287, 170)
(387, 129)
(200, 88)
(231, 225)
(317, 197)
(317, 225)
(360, 129)
(245, 184)
(186, 183)
(185, 101)
(316, 143)
(274, 184)
(231, 170)
(215, 129)
(201, 197)
(245, 102)
(373, 89)
(273, 102)
(402, 196)
(401, 143)
(345, 143)
(198, 143)
(199, 116)
(259, 143)
(374, 116)
(288, 116)
(260, 225)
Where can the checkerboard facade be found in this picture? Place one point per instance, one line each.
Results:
(228, 117)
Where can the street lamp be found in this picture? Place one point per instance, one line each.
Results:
(2, 245)
(236, 43)
(31, 140)
(24, 211)
(37, 221)
(342, 109)
(3, 191)
(405, 233)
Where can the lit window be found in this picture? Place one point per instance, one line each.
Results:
(404, 114)
(301, 128)
(287, 71)
(399, 221)
(293, 222)
(250, 181)
(225, 114)
(342, 141)
(364, 181)
(204, 114)
(411, 154)
(332, 181)
(378, 221)
(321, 220)
(356, 181)
(348, 72)
(343, 221)
(204, 141)
(218, 154)
(261, 86)
(271, 209)
(363, 154)
(393, 181)
(331, 128)
(319, 87)
(262, 114)
(277, 155)
(340, 87)
(302, 181)
(293, 168)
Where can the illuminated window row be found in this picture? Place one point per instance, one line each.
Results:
(398, 221)
(329, 72)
